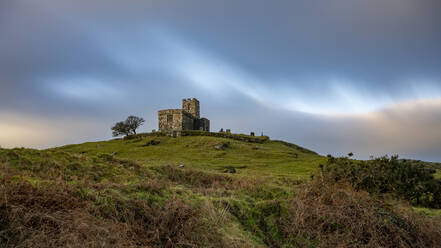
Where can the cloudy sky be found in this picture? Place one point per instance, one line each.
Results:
(334, 76)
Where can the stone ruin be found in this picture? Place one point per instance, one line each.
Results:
(187, 118)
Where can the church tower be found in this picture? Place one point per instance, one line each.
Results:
(192, 106)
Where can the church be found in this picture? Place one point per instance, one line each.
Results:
(187, 118)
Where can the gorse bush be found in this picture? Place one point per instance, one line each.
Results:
(328, 214)
(411, 181)
(61, 216)
(323, 213)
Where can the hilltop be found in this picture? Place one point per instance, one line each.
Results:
(199, 190)
(248, 155)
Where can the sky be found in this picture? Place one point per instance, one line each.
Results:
(335, 76)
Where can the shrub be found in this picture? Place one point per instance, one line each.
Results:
(411, 181)
(326, 214)
(62, 216)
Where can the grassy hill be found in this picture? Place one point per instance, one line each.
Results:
(192, 191)
(270, 159)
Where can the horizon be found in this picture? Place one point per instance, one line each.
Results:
(347, 76)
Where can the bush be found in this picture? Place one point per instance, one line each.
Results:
(326, 214)
(409, 180)
(62, 216)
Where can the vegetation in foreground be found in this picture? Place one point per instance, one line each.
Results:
(405, 179)
(175, 192)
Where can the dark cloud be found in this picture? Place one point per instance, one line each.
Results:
(289, 68)
(410, 130)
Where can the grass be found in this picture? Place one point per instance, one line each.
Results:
(136, 193)
(428, 211)
(271, 159)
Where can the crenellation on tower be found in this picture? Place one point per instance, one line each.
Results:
(192, 106)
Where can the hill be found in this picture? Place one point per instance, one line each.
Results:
(197, 190)
(215, 154)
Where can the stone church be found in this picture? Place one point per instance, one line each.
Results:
(187, 118)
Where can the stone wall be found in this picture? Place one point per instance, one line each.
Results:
(187, 121)
(240, 137)
(170, 119)
(202, 125)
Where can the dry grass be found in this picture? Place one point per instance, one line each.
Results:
(58, 217)
(217, 215)
(329, 215)
(56, 199)
(195, 178)
(50, 218)
(204, 179)
(208, 183)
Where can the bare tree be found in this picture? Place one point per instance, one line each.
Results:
(128, 126)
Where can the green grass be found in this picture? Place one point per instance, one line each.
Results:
(241, 209)
(146, 169)
(428, 211)
(271, 159)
